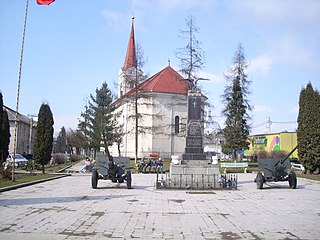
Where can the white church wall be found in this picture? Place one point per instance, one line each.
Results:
(157, 126)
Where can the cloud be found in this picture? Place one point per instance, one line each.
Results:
(262, 109)
(294, 109)
(116, 20)
(288, 29)
(213, 78)
(292, 50)
(293, 14)
(260, 65)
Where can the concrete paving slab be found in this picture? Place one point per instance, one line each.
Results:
(68, 208)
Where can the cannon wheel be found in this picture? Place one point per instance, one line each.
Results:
(292, 180)
(94, 178)
(259, 180)
(129, 179)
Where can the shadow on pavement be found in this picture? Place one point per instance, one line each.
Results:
(45, 200)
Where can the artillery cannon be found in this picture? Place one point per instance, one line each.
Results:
(111, 169)
(276, 170)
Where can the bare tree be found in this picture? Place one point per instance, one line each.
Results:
(191, 56)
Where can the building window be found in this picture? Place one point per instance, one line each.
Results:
(176, 124)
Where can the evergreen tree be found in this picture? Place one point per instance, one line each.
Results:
(236, 109)
(61, 143)
(84, 127)
(191, 56)
(102, 121)
(4, 133)
(308, 133)
(44, 136)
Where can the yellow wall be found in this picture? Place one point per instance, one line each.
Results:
(285, 141)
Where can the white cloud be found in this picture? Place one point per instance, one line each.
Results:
(260, 65)
(294, 14)
(294, 109)
(288, 29)
(291, 50)
(262, 109)
(115, 19)
(213, 78)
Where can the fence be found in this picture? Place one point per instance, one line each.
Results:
(197, 182)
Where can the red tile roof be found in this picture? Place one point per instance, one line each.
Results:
(131, 58)
(167, 80)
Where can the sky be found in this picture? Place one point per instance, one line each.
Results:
(71, 47)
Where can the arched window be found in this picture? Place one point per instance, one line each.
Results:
(176, 124)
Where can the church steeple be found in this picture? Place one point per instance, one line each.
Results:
(131, 57)
(129, 75)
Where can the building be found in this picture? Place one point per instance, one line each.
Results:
(285, 141)
(161, 102)
(26, 132)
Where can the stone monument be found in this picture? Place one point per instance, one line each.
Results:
(194, 172)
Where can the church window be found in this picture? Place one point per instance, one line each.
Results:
(176, 124)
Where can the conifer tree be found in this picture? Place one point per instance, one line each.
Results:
(237, 106)
(102, 122)
(44, 136)
(4, 133)
(62, 141)
(308, 133)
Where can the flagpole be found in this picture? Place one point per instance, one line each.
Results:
(18, 93)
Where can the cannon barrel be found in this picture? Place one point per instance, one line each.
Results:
(288, 155)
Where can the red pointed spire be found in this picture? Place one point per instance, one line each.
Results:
(131, 57)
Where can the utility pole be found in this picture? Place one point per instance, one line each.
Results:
(269, 122)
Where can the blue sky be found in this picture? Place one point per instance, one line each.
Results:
(72, 47)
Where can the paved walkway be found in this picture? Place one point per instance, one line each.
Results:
(68, 208)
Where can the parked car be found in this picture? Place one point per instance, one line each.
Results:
(60, 158)
(297, 166)
(20, 161)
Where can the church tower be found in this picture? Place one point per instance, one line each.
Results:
(129, 73)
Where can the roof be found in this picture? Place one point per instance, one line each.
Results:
(12, 116)
(131, 57)
(167, 80)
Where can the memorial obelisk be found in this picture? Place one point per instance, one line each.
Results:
(194, 172)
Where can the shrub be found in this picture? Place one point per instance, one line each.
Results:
(59, 158)
(262, 154)
(278, 154)
(74, 158)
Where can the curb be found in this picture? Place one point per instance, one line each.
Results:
(32, 183)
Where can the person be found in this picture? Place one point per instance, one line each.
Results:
(148, 165)
(160, 166)
(141, 166)
(88, 164)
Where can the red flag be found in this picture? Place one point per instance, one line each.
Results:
(45, 2)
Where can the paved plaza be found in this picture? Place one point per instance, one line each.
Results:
(68, 208)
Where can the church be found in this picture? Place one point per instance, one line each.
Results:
(151, 112)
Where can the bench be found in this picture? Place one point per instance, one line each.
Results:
(226, 165)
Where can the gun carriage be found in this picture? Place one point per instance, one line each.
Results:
(275, 170)
(113, 169)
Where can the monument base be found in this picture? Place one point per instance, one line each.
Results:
(194, 174)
